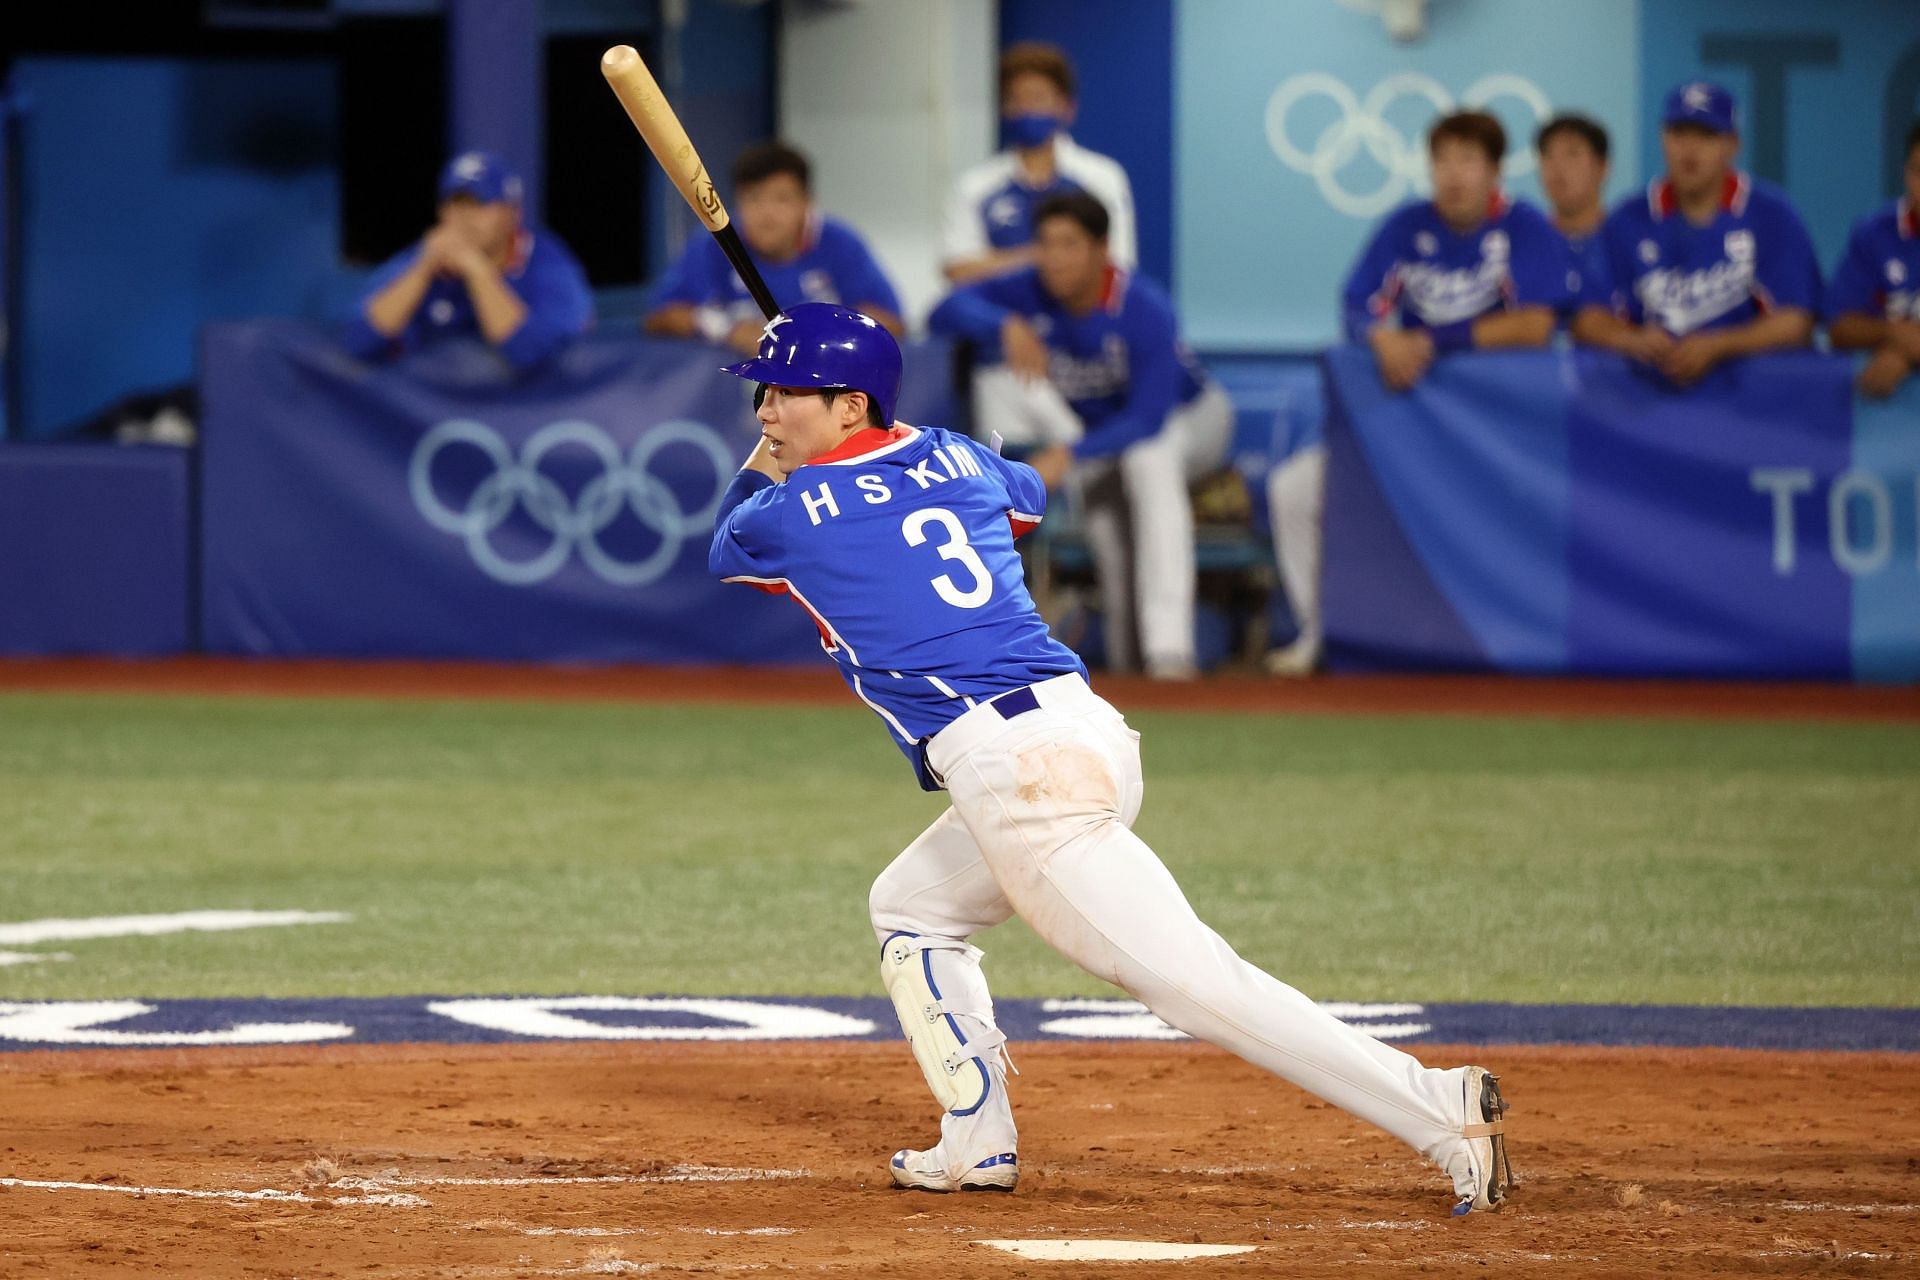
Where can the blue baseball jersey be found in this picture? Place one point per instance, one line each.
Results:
(543, 273)
(1755, 255)
(899, 544)
(992, 205)
(833, 265)
(1429, 275)
(1588, 257)
(1880, 274)
(1122, 366)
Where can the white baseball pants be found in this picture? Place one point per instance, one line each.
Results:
(1138, 516)
(1296, 499)
(1040, 825)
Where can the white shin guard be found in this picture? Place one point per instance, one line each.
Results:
(946, 1013)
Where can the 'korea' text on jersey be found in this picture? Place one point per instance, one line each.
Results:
(1422, 272)
(899, 544)
(1752, 256)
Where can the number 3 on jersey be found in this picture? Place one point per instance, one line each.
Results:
(956, 547)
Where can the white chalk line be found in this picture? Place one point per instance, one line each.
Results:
(674, 1173)
(29, 932)
(502, 1225)
(399, 1200)
(1808, 1206)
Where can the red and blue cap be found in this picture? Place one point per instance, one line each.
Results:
(820, 345)
(1703, 103)
(482, 176)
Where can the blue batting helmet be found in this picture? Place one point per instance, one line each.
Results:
(817, 344)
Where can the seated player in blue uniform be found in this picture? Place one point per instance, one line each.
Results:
(989, 221)
(1098, 385)
(898, 541)
(480, 271)
(1874, 302)
(1467, 269)
(1710, 263)
(803, 255)
(1573, 174)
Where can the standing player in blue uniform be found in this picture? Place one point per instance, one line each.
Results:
(803, 255)
(990, 215)
(479, 272)
(1467, 269)
(1711, 263)
(898, 541)
(1099, 384)
(1874, 303)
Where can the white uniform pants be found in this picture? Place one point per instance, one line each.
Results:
(1138, 515)
(1042, 806)
(1296, 500)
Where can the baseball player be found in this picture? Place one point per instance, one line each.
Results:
(1099, 384)
(989, 222)
(898, 541)
(802, 254)
(480, 271)
(1874, 303)
(1710, 263)
(1573, 173)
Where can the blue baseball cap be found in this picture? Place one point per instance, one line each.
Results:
(1703, 103)
(480, 175)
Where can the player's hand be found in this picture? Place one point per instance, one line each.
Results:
(1053, 463)
(1025, 353)
(1904, 337)
(1649, 344)
(1692, 358)
(1403, 356)
(441, 249)
(1885, 372)
(744, 337)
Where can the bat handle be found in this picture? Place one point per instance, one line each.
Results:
(743, 267)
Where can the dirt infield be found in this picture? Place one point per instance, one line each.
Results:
(619, 1159)
(816, 685)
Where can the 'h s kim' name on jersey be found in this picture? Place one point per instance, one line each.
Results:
(943, 464)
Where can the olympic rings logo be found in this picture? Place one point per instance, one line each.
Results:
(1362, 126)
(573, 523)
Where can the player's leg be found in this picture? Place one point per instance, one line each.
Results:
(1050, 797)
(1108, 528)
(924, 907)
(1029, 413)
(1155, 475)
(1296, 490)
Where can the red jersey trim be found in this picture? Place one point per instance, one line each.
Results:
(866, 442)
(1662, 202)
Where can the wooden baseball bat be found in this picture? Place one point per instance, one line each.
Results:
(667, 138)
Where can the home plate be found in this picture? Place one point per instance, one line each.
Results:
(1113, 1250)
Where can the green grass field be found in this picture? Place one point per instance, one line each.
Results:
(532, 848)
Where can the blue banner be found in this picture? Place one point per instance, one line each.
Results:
(94, 549)
(438, 507)
(1566, 511)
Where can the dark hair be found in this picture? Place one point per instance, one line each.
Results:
(1088, 212)
(873, 406)
(768, 159)
(1913, 139)
(1585, 128)
(1476, 127)
(1036, 58)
